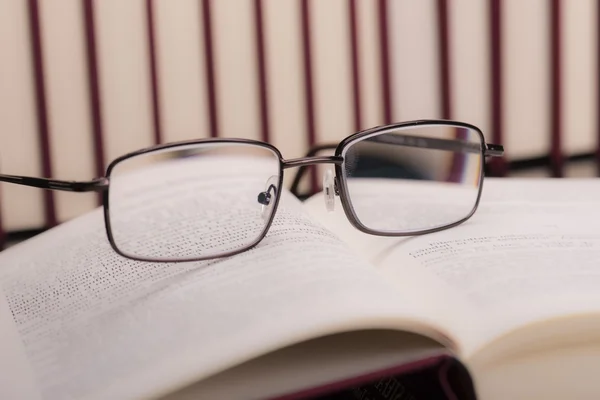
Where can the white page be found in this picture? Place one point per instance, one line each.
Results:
(16, 375)
(315, 363)
(440, 300)
(96, 325)
(528, 254)
(537, 262)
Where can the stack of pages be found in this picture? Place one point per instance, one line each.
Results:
(513, 293)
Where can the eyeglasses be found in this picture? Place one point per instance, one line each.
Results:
(211, 198)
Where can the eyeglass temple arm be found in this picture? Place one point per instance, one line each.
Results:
(96, 185)
(456, 145)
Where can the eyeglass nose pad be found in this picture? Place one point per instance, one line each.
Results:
(267, 198)
(329, 190)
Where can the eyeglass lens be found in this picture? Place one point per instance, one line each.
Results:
(411, 179)
(192, 201)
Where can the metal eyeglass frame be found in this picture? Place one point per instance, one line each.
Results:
(102, 184)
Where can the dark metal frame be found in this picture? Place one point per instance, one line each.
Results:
(491, 150)
(102, 184)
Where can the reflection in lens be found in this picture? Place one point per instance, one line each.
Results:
(192, 201)
(415, 178)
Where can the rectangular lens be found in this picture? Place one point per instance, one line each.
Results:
(415, 178)
(192, 201)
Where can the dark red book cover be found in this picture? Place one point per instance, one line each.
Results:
(440, 377)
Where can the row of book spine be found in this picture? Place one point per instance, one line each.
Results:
(85, 81)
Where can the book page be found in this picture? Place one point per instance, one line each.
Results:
(529, 254)
(318, 364)
(16, 375)
(97, 325)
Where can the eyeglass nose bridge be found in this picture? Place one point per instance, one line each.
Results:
(307, 161)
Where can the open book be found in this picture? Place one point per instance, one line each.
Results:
(513, 293)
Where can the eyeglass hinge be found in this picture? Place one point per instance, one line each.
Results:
(493, 150)
(95, 185)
